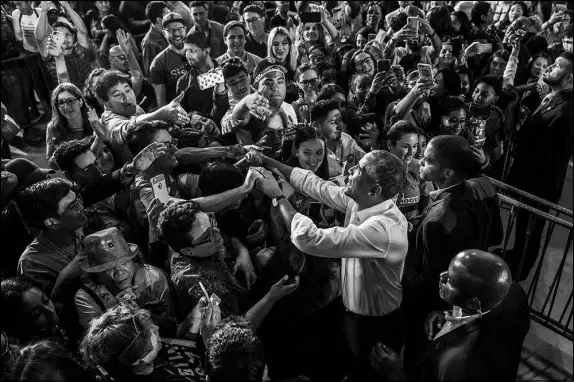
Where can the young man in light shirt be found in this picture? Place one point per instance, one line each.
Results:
(372, 245)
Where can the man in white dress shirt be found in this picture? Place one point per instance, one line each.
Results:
(372, 245)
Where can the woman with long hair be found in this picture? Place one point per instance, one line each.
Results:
(70, 119)
(441, 22)
(461, 24)
(309, 35)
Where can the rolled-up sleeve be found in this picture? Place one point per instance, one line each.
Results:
(371, 239)
(324, 191)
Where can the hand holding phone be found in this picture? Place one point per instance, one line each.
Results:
(310, 17)
(413, 23)
(159, 188)
(383, 66)
(211, 78)
(484, 48)
(425, 71)
(456, 46)
(55, 44)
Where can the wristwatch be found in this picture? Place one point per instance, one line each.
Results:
(275, 200)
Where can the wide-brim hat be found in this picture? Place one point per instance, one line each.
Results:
(106, 250)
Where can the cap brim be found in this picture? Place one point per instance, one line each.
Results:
(166, 23)
(133, 250)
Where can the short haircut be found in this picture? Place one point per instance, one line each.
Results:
(197, 38)
(195, 4)
(154, 10)
(400, 129)
(399, 21)
(480, 9)
(454, 152)
(255, 9)
(233, 24)
(219, 176)
(570, 58)
(141, 134)
(233, 67)
(491, 80)
(65, 154)
(12, 295)
(234, 352)
(108, 80)
(388, 171)
(40, 201)
(329, 90)
(175, 222)
(322, 109)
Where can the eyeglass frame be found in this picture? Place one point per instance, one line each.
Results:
(308, 82)
(172, 31)
(461, 122)
(67, 101)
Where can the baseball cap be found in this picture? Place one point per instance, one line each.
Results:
(172, 17)
(27, 172)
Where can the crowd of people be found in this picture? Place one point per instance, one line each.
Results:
(276, 190)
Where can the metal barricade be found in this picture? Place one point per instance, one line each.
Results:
(550, 286)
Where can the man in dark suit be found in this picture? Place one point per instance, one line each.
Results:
(456, 219)
(543, 150)
(482, 338)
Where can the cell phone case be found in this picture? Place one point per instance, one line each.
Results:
(210, 79)
(159, 187)
(425, 70)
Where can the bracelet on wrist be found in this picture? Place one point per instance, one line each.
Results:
(432, 35)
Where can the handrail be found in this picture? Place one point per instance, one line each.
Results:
(528, 208)
(535, 198)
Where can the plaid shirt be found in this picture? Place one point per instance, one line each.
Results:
(79, 65)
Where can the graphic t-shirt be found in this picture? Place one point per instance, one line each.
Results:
(409, 202)
(24, 26)
(166, 69)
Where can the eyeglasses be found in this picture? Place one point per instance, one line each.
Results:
(121, 57)
(174, 31)
(210, 230)
(68, 101)
(309, 82)
(455, 121)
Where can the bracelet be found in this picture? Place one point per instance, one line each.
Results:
(432, 35)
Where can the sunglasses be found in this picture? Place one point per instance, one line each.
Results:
(210, 230)
(69, 102)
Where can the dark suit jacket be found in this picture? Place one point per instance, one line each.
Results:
(454, 221)
(484, 193)
(487, 349)
(543, 149)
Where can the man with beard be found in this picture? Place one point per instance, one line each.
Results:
(170, 64)
(269, 98)
(372, 245)
(543, 149)
(234, 35)
(73, 62)
(415, 50)
(197, 52)
(121, 111)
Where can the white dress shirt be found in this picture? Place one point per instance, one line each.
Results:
(372, 245)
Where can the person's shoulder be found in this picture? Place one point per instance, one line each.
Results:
(16, 14)
(160, 58)
(215, 24)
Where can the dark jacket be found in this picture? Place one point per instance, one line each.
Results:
(543, 148)
(487, 349)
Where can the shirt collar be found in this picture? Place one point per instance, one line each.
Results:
(375, 210)
(434, 194)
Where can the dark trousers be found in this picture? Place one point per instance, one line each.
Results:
(362, 334)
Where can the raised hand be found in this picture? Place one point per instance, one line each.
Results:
(96, 124)
(124, 41)
(210, 317)
(148, 155)
(174, 112)
(243, 262)
(256, 100)
(281, 288)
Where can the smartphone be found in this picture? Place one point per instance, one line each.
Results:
(315, 211)
(159, 188)
(372, 36)
(58, 39)
(310, 17)
(383, 66)
(456, 46)
(211, 78)
(425, 70)
(484, 48)
(413, 23)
